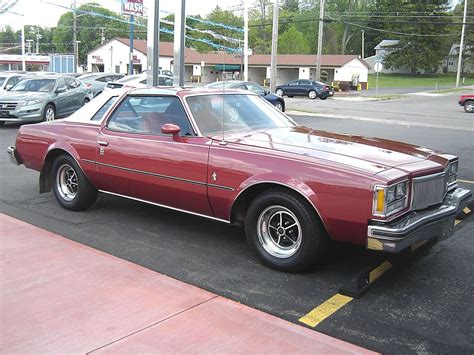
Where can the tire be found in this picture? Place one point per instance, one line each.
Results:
(323, 97)
(279, 105)
(285, 231)
(49, 113)
(291, 96)
(2, 123)
(72, 189)
(85, 101)
(312, 94)
(279, 92)
(469, 106)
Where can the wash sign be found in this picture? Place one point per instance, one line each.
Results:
(132, 7)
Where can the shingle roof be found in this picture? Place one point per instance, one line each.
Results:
(192, 56)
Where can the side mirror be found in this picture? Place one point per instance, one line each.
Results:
(267, 92)
(60, 90)
(169, 128)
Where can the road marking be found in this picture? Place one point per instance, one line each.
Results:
(466, 210)
(466, 181)
(457, 221)
(379, 271)
(324, 310)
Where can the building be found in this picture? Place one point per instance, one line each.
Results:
(450, 64)
(113, 56)
(59, 63)
(383, 49)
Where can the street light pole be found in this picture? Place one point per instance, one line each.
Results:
(74, 36)
(246, 40)
(320, 39)
(38, 37)
(363, 44)
(153, 43)
(461, 44)
(23, 61)
(273, 60)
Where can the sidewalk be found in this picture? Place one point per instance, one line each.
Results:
(58, 296)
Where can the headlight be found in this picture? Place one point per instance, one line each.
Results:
(33, 102)
(390, 199)
(452, 172)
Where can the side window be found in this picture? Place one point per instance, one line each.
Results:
(304, 82)
(13, 80)
(61, 84)
(243, 87)
(147, 114)
(99, 114)
(293, 83)
(103, 79)
(256, 89)
(70, 83)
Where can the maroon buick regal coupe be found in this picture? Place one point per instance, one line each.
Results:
(234, 158)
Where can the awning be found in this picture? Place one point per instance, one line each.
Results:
(226, 67)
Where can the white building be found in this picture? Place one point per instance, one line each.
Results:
(450, 64)
(113, 56)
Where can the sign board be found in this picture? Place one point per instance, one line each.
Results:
(197, 70)
(132, 7)
(378, 67)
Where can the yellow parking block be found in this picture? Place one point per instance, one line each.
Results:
(324, 310)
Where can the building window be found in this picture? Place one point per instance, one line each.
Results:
(117, 68)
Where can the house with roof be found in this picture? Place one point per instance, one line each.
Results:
(113, 56)
(450, 63)
(384, 48)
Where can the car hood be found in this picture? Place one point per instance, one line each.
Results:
(372, 155)
(23, 95)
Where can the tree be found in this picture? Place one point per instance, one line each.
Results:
(458, 14)
(292, 41)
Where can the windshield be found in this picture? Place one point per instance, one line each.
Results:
(38, 85)
(238, 111)
(2, 80)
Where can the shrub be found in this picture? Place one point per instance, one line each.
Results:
(344, 86)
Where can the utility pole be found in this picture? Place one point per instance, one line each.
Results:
(74, 36)
(461, 44)
(153, 43)
(23, 61)
(320, 39)
(38, 37)
(273, 60)
(130, 62)
(363, 44)
(246, 40)
(179, 31)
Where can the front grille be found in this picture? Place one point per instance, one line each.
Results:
(429, 190)
(8, 105)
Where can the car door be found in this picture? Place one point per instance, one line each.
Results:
(61, 98)
(304, 86)
(135, 159)
(76, 94)
(291, 88)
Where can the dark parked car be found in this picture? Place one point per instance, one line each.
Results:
(235, 159)
(97, 81)
(310, 88)
(42, 98)
(275, 100)
(467, 101)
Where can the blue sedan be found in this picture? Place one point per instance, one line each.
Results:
(275, 100)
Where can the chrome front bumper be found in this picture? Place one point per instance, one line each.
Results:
(418, 226)
(11, 153)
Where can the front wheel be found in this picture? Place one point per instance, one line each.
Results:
(72, 189)
(279, 105)
(312, 94)
(85, 101)
(49, 113)
(285, 231)
(279, 92)
(469, 106)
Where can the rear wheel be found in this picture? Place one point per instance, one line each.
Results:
(323, 97)
(49, 113)
(469, 106)
(72, 189)
(285, 231)
(312, 94)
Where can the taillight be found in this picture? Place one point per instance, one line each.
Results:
(326, 87)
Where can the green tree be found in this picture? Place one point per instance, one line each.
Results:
(292, 41)
(458, 14)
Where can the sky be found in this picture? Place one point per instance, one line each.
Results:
(42, 13)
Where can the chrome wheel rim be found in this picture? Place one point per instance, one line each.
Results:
(279, 92)
(49, 114)
(66, 182)
(469, 107)
(279, 232)
(279, 106)
(312, 95)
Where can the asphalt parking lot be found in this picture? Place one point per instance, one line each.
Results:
(422, 307)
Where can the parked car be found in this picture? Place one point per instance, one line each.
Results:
(137, 81)
(97, 81)
(310, 88)
(275, 100)
(42, 98)
(235, 159)
(467, 101)
(8, 80)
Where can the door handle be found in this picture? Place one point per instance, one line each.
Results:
(103, 143)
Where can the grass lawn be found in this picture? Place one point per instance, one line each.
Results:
(406, 81)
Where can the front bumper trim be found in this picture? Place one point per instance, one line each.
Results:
(418, 226)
